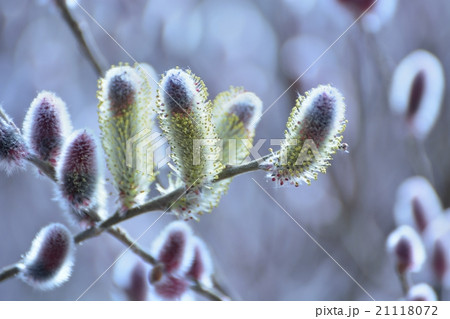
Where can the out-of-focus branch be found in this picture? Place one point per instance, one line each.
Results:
(123, 237)
(9, 271)
(78, 33)
(405, 282)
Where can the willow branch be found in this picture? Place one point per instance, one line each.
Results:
(122, 236)
(208, 293)
(9, 272)
(44, 167)
(163, 202)
(78, 33)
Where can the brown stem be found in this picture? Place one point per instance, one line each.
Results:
(76, 30)
(43, 166)
(132, 244)
(9, 272)
(163, 202)
(405, 282)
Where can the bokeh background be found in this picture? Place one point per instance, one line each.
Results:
(263, 45)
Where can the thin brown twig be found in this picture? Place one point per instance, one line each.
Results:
(122, 236)
(9, 272)
(43, 166)
(78, 33)
(163, 202)
(404, 281)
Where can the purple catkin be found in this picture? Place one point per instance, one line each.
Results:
(201, 267)
(137, 289)
(407, 249)
(171, 287)
(317, 122)
(438, 261)
(121, 93)
(13, 150)
(78, 172)
(174, 249)
(419, 214)
(415, 97)
(178, 89)
(359, 5)
(313, 135)
(198, 267)
(46, 126)
(49, 261)
(171, 254)
(247, 107)
(404, 255)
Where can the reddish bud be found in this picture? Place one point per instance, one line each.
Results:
(202, 266)
(156, 274)
(407, 249)
(173, 247)
(171, 287)
(403, 252)
(130, 276)
(439, 260)
(419, 214)
(416, 94)
(137, 289)
(49, 261)
(79, 173)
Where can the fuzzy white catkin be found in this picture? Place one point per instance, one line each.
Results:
(428, 204)
(185, 118)
(416, 251)
(48, 263)
(422, 121)
(125, 118)
(130, 276)
(13, 149)
(421, 292)
(80, 178)
(312, 136)
(47, 124)
(437, 243)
